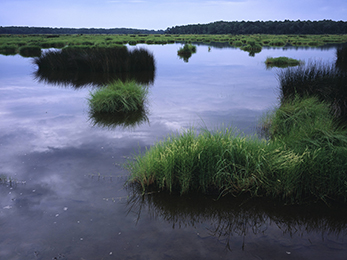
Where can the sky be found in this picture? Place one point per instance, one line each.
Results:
(161, 14)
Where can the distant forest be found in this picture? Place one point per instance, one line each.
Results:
(261, 27)
(49, 30)
(220, 27)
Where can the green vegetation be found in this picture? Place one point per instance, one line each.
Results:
(341, 58)
(186, 51)
(263, 27)
(304, 158)
(326, 82)
(252, 47)
(30, 51)
(281, 62)
(116, 59)
(8, 49)
(119, 97)
(253, 43)
(219, 27)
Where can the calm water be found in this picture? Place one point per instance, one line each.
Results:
(62, 186)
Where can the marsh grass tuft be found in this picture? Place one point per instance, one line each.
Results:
(96, 59)
(282, 62)
(326, 82)
(186, 51)
(30, 51)
(8, 49)
(303, 159)
(190, 162)
(119, 97)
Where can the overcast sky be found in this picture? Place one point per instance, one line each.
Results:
(161, 14)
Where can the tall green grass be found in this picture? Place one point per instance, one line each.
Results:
(119, 97)
(341, 58)
(305, 158)
(310, 158)
(324, 81)
(115, 59)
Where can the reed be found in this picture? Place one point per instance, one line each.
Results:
(324, 81)
(341, 58)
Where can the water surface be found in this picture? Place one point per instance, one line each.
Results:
(62, 186)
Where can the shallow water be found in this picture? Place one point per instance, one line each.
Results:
(62, 184)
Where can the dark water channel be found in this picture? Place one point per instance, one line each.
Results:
(62, 187)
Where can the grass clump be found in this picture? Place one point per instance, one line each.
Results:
(326, 82)
(30, 51)
(186, 51)
(96, 59)
(119, 97)
(206, 162)
(8, 49)
(187, 48)
(310, 158)
(281, 62)
(303, 159)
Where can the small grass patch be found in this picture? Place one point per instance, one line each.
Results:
(186, 51)
(8, 49)
(119, 97)
(281, 62)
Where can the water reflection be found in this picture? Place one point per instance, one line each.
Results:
(122, 120)
(228, 218)
(341, 58)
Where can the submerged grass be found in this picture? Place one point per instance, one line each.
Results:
(119, 97)
(304, 158)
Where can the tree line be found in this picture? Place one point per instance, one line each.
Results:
(49, 30)
(219, 27)
(263, 27)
